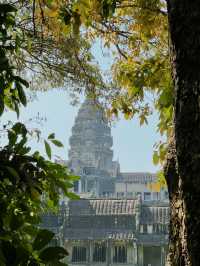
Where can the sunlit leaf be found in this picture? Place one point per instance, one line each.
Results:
(57, 143)
(48, 149)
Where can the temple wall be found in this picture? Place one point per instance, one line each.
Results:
(131, 253)
(137, 255)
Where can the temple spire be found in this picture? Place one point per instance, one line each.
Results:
(91, 141)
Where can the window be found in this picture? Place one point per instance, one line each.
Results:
(99, 254)
(79, 254)
(120, 254)
(147, 195)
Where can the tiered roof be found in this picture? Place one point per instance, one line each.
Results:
(137, 177)
(102, 207)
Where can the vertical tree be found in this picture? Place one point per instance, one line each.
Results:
(184, 187)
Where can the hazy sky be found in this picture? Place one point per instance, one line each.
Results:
(133, 145)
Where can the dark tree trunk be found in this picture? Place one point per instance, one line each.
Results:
(176, 248)
(184, 187)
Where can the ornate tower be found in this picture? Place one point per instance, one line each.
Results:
(91, 141)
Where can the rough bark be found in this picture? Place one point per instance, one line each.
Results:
(176, 248)
(184, 26)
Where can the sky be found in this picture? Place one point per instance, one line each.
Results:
(132, 144)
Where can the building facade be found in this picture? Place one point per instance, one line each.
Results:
(116, 232)
(121, 218)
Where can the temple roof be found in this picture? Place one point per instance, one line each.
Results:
(137, 177)
(102, 207)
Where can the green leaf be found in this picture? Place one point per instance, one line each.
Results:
(57, 143)
(12, 137)
(42, 239)
(7, 8)
(143, 120)
(72, 195)
(49, 2)
(21, 94)
(16, 222)
(13, 172)
(155, 158)
(51, 136)
(1, 105)
(2, 258)
(52, 254)
(20, 128)
(22, 255)
(64, 186)
(22, 81)
(57, 263)
(67, 15)
(16, 107)
(74, 177)
(48, 149)
(77, 23)
(9, 252)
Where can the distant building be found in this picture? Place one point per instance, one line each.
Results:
(121, 218)
(116, 232)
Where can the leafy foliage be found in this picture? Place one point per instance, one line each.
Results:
(26, 180)
(29, 184)
(12, 92)
(55, 38)
(137, 33)
(43, 49)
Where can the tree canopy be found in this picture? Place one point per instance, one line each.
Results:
(137, 34)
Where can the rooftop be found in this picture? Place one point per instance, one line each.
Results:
(137, 177)
(102, 207)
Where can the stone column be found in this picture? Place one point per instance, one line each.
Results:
(79, 186)
(163, 256)
(140, 255)
(108, 255)
(138, 213)
(135, 253)
(91, 252)
(86, 185)
(90, 256)
(111, 254)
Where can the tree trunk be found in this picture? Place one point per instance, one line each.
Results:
(184, 187)
(175, 254)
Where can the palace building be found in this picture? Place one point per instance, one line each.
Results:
(121, 218)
